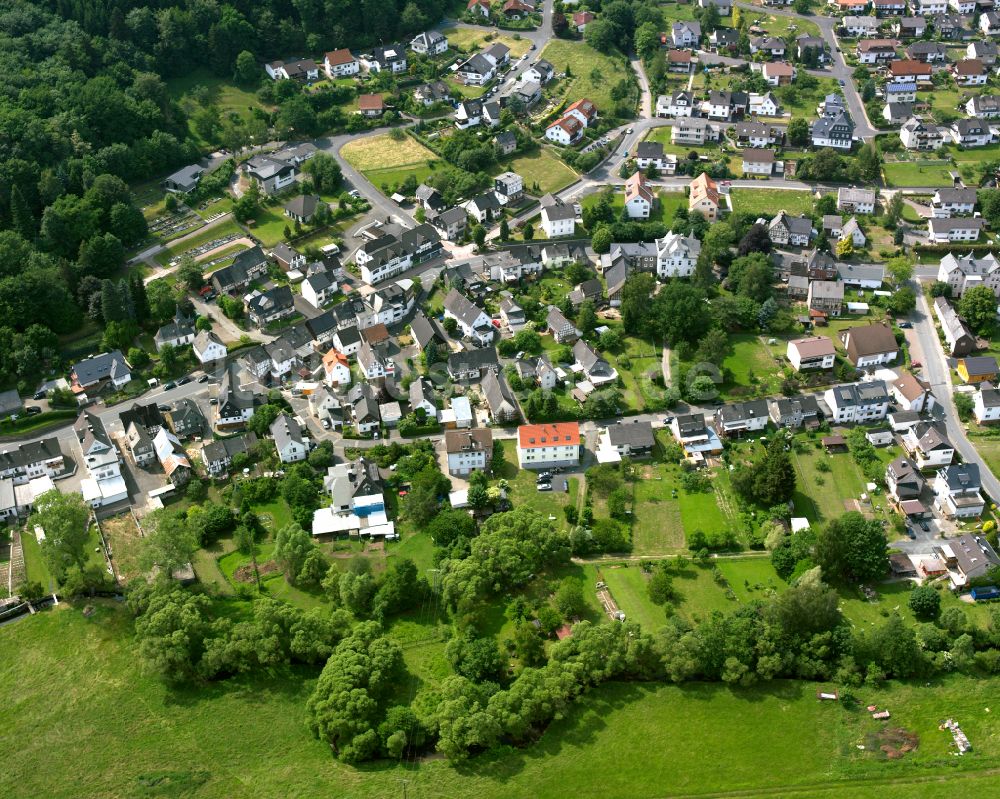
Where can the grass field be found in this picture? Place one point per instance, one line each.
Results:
(125, 542)
(917, 173)
(221, 92)
(767, 202)
(594, 75)
(669, 202)
(542, 167)
(385, 152)
(35, 568)
(121, 732)
(820, 495)
(469, 39)
(627, 584)
(657, 527)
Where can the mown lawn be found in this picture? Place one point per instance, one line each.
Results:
(767, 202)
(222, 93)
(666, 206)
(121, 732)
(385, 152)
(543, 168)
(627, 584)
(593, 74)
(35, 567)
(917, 173)
(820, 494)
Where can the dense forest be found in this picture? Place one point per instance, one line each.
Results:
(85, 111)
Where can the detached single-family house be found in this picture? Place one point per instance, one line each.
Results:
(903, 479)
(928, 446)
(340, 63)
(289, 440)
(956, 495)
(979, 369)
(986, 403)
(870, 345)
(816, 353)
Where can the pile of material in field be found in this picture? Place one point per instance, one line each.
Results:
(893, 742)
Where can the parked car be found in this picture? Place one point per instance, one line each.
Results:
(34, 410)
(163, 407)
(203, 379)
(184, 381)
(213, 401)
(169, 386)
(39, 395)
(924, 526)
(544, 486)
(906, 325)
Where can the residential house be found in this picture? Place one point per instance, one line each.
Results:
(140, 445)
(870, 345)
(742, 417)
(889, 8)
(218, 454)
(680, 61)
(247, 266)
(591, 366)
(757, 134)
(941, 231)
(766, 105)
(810, 49)
(703, 197)
(639, 198)
(289, 440)
(795, 412)
(903, 479)
(695, 437)
(770, 46)
(566, 130)
(857, 402)
(985, 51)
(853, 231)
(929, 52)
(911, 393)
(336, 369)
(509, 188)
(836, 132)
(468, 450)
(956, 495)
(725, 105)
(185, 179)
(505, 142)
(928, 446)
(790, 230)
(685, 33)
(172, 457)
(969, 558)
(678, 104)
(591, 290)
(778, 73)
(543, 446)
(918, 134)
(479, 8)
(390, 254)
(292, 69)
(953, 202)
(421, 398)
(558, 218)
(499, 400)
(676, 255)
(471, 365)
(318, 290)
(581, 19)
(969, 72)
(434, 92)
(540, 72)
(236, 404)
(340, 63)
(271, 174)
(473, 321)
(900, 93)
(807, 354)
(185, 418)
(986, 403)
(269, 306)
(178, 333)
(967, 271)
(650, 154)
(909, 27)
(724, 40)
(96, 372)
(832, 106)
(468, 114)
(860, 27)
(826, 297)
(971, 133)
(758, 161)
(694, 131)
(856, 201)
(391, 58)
(958, 336)
(208, 348)
(872, 51)
(429, 43)
(347, 340)
(633, 439)
(563, 330)
(373, 362)
(287, 257)
(989, 23)
(371, 106)
(977, 369)
(363, 402)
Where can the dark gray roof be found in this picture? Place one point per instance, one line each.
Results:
(634, 434)
(100, 367)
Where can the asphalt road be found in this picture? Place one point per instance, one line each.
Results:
(937, 373)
